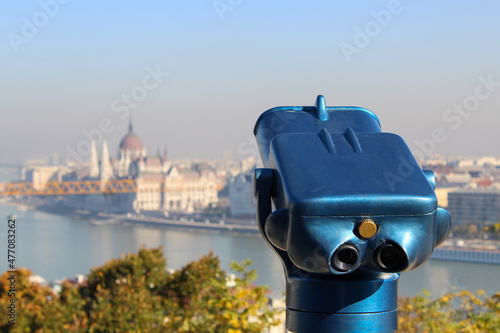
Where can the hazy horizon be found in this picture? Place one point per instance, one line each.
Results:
(428, 70)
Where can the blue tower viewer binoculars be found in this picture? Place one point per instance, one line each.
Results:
(347, 208)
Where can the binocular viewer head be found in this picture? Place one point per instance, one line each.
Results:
(342, 244)
(338, 195)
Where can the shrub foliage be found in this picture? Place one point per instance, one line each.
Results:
(137, 294)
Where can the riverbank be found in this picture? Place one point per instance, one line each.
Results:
(203, 223)
(220, 225)
(474, 251)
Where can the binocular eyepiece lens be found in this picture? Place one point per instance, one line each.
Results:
(345, 258)
(390, 257)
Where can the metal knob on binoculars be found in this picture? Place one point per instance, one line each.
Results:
(347, 208)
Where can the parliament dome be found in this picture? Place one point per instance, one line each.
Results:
(131, 141)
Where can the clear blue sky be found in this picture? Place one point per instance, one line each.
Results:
(228, 61)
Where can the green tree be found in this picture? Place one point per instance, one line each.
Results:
(123, 295)
(493, 230)
(202, 302)
(457, 311)
(136, 294)
(38, 308)
(472, 230)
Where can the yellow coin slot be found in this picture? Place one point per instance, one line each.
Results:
(367, 228)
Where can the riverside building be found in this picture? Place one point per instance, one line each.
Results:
(161, 185)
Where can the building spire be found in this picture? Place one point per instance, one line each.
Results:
(106, 169)
(94, 162)
(164, 158)
(130, 124)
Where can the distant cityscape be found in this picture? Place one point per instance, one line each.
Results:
(163, 187)
(468, 187)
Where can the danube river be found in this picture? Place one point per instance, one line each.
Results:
(57, 246)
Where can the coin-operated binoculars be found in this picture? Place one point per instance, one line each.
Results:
(346, 208)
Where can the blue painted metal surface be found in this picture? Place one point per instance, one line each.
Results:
(328, 170)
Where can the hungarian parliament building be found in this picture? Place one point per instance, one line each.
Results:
(161, 185)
